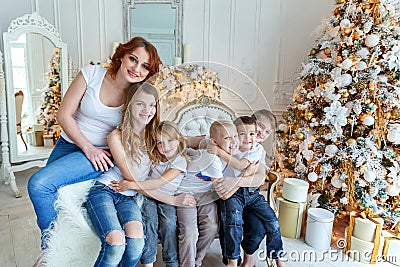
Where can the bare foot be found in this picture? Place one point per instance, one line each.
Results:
(232, 263)
(279, 263)
(248, 260)
(39, 261)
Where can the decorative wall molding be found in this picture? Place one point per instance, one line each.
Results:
(33, 20)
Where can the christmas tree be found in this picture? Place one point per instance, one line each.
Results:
(342, 131)
(51, 96)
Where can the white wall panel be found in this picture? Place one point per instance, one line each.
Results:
(193, 27)
(296, 40)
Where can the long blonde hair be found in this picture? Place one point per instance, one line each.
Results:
(169, 129)
(132, 142)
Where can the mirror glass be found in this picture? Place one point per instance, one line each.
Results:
(35, 64)
(163, 29)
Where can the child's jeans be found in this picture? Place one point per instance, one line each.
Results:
(231, 219)
(110, 211)
(164, 227)
(198, 227)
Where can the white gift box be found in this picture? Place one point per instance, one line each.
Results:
(295, 190)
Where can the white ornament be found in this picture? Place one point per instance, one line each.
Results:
(347, 63)
(361, 65)
(369, 176)
(312, 177)
(345, 23)
(372, 40)
(393, 190)
(393, 135)
(369, 120)
(363, 53)
(367, 26)
(331, 150)
(336, 182)
(344, 201)
(344, 80)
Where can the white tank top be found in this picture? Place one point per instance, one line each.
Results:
(95, 119)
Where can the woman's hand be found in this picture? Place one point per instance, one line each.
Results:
(98, 157)
(185, 200)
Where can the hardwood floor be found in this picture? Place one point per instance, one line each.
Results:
(20, 237)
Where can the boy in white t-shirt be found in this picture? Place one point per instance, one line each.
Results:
(245, 199)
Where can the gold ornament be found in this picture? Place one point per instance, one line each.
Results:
(351, 141)
(323, 130)
(323, 78)
(327, 51)
(356, 36)
(291, 160)
(313, 51)
(361, 85)
(347, 31)
(308, 115)
(391, 75)
(286, 115)
(340, 1)
(395, 114)
(300, 136)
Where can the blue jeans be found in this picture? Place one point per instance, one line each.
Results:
(110, 211)
(231, 213)
(164, 227)
(66, 165)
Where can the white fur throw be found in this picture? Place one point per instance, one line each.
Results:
(72, 240)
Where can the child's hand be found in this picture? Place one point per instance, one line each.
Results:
(119, 186)
(185, 200)
(212, 149)
(251, 169)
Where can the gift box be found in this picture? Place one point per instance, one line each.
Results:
(38, 127)
(295, 190)
(364, 238)
(48, 140)
(37, 138)
(391, 248)
(290, 217)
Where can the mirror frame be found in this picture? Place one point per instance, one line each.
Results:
(175, 4)
(29, 23)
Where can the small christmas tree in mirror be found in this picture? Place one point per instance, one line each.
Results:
(341, 133)
(51, 98)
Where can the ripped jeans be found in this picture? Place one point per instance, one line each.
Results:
(110, 211)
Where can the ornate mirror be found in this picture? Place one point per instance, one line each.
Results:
(33, 52)
(159, 22)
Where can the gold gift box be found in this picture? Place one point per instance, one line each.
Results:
(37, 138)
(362, 245)
(290, 217)
(391, 248)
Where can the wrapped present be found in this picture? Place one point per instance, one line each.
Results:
(365, 229)
(290, 217)
(48, 140)
(38, 127)
(37, 138)
(391, 247)
(364, 244)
